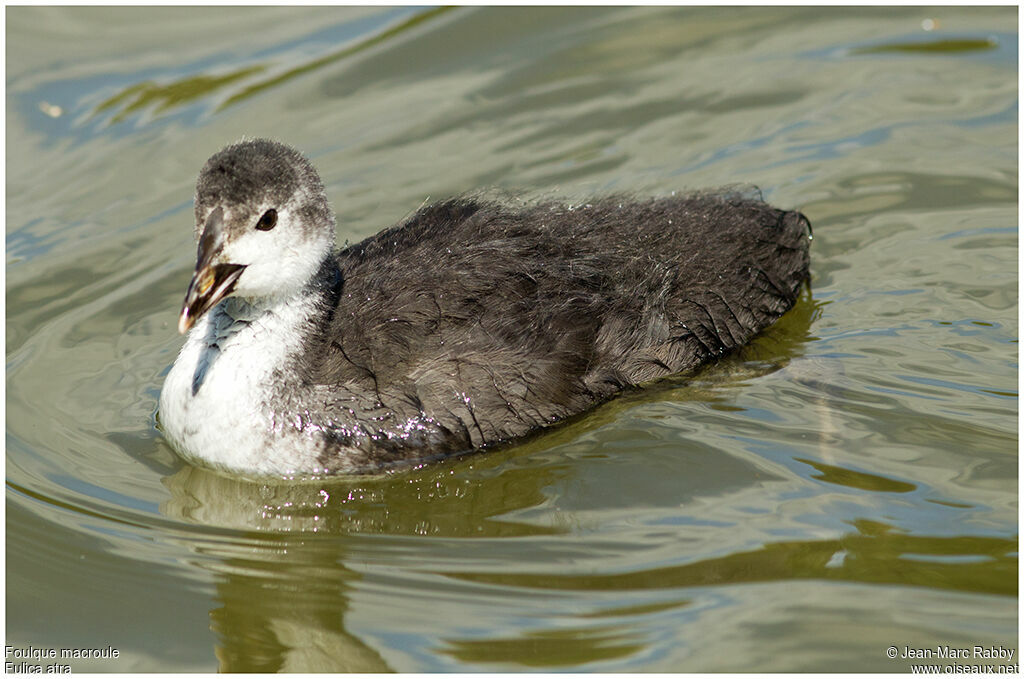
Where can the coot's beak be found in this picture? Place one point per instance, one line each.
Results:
(211, 282)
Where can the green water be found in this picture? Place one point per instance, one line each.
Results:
(846, 484)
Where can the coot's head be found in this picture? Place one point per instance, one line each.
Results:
(262, 223)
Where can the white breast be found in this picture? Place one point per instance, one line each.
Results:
(218, 405)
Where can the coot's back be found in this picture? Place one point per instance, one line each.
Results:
(494, 320)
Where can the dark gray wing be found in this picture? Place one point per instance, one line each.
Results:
(472, 323)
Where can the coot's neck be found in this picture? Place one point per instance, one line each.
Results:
(324, 284)
(290, 319)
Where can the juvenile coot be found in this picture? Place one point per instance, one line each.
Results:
(470, 323)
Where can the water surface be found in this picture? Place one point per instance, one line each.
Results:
(846, 484)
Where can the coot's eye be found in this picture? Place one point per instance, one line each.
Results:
(268, 220)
